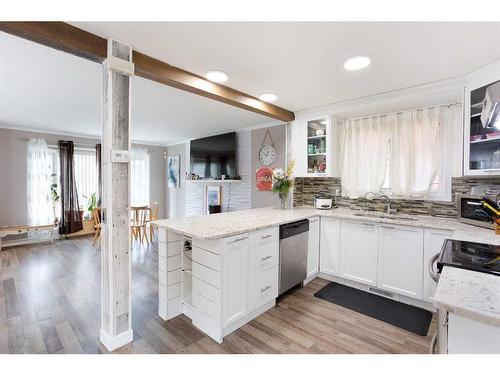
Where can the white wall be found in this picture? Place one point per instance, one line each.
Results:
(267, 198)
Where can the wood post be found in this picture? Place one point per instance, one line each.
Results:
(116, 323)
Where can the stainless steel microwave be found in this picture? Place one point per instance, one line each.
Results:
(470, 211)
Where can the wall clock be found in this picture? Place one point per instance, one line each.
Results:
(267, 152)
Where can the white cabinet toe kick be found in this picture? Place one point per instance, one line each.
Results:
(219, 284)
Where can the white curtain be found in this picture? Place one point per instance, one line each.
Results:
(139, 177)
(402, 152)
(364, 155)
(416, 152)
(38, 183)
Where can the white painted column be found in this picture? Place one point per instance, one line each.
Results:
(116, 308)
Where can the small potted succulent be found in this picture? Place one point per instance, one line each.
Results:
(283, 183)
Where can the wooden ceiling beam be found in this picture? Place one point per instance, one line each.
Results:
(78, 42)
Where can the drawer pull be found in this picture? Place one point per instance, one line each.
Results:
(238, 239)
(265, 288)
(387, 227)
(266, 236)
(266, 257)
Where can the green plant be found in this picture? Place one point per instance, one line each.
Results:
(91, 203)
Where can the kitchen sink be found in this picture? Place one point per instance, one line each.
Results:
(381, 215)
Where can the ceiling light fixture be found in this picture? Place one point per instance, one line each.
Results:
(268, 97)
(216, 76)
(357, 63)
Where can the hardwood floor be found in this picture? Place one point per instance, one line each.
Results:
(49, 303)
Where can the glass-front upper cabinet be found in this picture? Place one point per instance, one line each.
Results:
(481, 137)
(312, 147)
(316, 146)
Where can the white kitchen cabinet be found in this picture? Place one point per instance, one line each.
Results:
(312, 146)
(358, 251)
(400, 258)
(329, 246)
(467, 336)
(481, 145)
(433, 242)
(313, 247)
(235, 279)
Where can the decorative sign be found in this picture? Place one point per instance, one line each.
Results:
(264, 179)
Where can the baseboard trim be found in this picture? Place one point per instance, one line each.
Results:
(113, 343)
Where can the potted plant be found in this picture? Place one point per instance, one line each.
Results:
(283, 183)
(91, 204)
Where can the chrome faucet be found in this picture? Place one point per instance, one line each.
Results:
(365, 197)
(388, 210)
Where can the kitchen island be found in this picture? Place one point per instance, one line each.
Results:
(222, 270)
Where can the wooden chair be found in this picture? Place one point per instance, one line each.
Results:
(96, 217)
(153, 215)
(138, 224)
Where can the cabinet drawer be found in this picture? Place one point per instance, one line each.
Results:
(206, 258)
(210, 308)
(262, 288)
(174, 277)
(206, 290)
(174, 263)
(263, 257)
(206, 274)
(263, 236)
(174, 248)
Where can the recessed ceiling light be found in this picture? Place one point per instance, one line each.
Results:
(216, 76)
(268, 97)
(357, 63)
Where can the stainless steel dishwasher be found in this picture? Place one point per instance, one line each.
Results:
(293, 254)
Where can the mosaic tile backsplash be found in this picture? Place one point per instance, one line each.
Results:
(307, 188)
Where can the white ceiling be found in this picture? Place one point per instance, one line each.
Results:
(47, 90)
(302, 63)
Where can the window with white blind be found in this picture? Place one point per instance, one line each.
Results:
(85, 175)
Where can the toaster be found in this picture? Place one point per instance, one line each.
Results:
(322, 203)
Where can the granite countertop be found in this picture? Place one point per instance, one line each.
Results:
(236, 222)
(471, 294)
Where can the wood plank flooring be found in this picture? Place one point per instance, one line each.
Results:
(50, 296)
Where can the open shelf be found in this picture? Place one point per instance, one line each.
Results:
(318, 154)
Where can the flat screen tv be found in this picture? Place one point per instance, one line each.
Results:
(212, 157)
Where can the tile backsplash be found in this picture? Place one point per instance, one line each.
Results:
(307, 188)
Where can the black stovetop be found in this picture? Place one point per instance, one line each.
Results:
(470, 256)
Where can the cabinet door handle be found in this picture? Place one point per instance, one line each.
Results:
(238, 239)
(368, 224)
(387, 227)
(266, 236)
(266, 257)
(265, 288)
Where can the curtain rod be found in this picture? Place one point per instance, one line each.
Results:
(406, 110)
